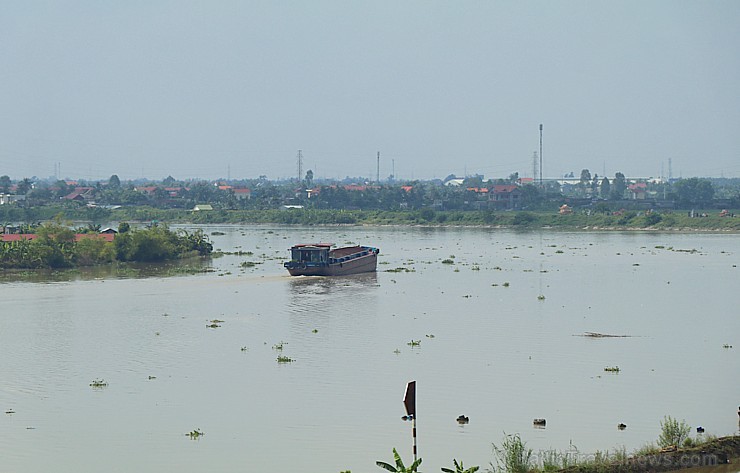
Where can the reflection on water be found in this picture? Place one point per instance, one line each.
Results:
(488, 347)
(319, 285)
(108, 271)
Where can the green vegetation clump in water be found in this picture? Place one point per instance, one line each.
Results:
(57, 246)
(195, 434)
(98, 383)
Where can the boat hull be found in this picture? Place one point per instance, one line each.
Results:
(341, 262)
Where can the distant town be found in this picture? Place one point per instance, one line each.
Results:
(588, 191)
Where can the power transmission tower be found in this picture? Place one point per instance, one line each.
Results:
(377, 170)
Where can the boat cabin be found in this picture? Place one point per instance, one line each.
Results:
(316, 253)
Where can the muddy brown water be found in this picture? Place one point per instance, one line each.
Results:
(499, 342)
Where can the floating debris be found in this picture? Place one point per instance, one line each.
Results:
(463, 419)
(612, 369)
(621, 426)
(98, 383)
(600, 335)
(10, 411)
(539, 422)
(400, 270)
(284, 359)
(195, 434)
(414, 343)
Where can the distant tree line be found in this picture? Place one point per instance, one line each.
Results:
(362, 195)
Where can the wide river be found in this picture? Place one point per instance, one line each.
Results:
(499, 332)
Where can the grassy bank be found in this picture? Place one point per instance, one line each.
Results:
(713, 452)
(579, 220)
(529, 220)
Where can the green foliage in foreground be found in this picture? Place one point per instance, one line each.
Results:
(459, 468)
(55, 247)
(399, 467)
(512, 456)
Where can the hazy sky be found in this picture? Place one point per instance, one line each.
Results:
(216, 88)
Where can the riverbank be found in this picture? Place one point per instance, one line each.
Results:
(716, 452)
(580, 220)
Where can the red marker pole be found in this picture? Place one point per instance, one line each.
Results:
(409, 401)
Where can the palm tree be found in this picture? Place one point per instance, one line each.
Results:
(459, 468)
(399, 468)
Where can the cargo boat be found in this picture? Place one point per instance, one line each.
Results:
(319, 259)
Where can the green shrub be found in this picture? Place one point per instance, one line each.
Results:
(672, 432)
(512, 456)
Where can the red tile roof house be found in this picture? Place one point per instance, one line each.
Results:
(80, 194)
(637, 191)
(242, 193)
(78, 236)
(506, 196)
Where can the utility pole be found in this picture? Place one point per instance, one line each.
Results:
(300, 166)
(540, 154)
